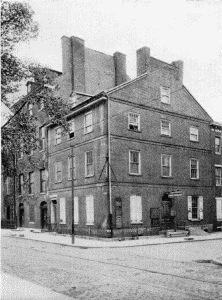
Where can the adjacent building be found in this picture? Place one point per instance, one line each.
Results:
(138, 152)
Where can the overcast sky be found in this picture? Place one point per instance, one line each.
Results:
(189, 30)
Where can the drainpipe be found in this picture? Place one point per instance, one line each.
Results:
(15, 168)
(73, 224)
(109, 172)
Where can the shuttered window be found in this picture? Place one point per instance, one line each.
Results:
(70, 167)
(58, 136)
(58, 171)
(219, 209)
(42, 138)
(89, 210)
(195, 208)
(76, 210)
(88, 126)
(62, 210)
(135, 209)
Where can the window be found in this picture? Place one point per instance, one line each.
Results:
(31, 213)
(30, 109)
(30, 145)
(166, 165)
(134, 122)
(70, 167)
(21, 184)
(42, 138)
(194, 168)
(134, 162)
(165, 127)
(58, 136)
(62, 210)
(20, 153)
(42, 181)
(219, 209)
(71, 129)
(218, 175)
(89, 210)
(58, 171)
(165, 95)
(194, 134)
(7, 185)
(41, 105)
(89, 164)
(88, 127)
(195, 208)
(76, 210)
(135, 209)
(217, 145)
(31, 183)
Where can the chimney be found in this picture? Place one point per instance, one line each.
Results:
(143, 60)
(73, 64)
(78, 59)
(120, 67)
(179, 65)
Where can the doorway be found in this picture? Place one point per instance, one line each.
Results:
(21, 215)
(167, 220)
(53, 214)
(44, 214)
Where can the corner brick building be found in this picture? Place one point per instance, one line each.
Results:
(142, 150)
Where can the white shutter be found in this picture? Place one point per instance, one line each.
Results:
(189, 202)
(219, 208)
(89, 210)
(76, 210)
(139, 209)
(133, 209)
(62, 211)
(200, 208)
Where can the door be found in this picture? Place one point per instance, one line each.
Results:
(21, 215)
(44, 210)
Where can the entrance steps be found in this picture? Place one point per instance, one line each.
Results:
(170, 233)
(197, 231)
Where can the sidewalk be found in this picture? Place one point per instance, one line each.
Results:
(25, 290)
(62, 239)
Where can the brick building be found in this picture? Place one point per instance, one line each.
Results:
(134, 143)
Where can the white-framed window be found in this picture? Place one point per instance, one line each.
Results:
(41, 105)
(166, 168)
(134, 121)
(135, 209)
(88, 125)
(134, 162)
(7, 184)
(58, 135)
(219, 208)
(62, 210)
(31, 183)
(30, 109)
(165, 94)
(194, 134)
(89, 210)
(21, 184)
(42, 138)
(165, 127)
(70, 167)
(58, 171)
(218, 175)
(71, 129)
(76, 210)
(89, 169)
(194, 168)
(195, 208)
(217, 145)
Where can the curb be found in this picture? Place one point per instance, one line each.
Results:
(99, 247)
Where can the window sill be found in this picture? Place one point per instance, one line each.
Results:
(132, 174)
(166, 135)
(218, 184)
(195, 179)
(69, 179)
(195, 220)
(90, 224)
(194, 141)
(42, 193)
(88, 132)
(31, 194)
(89, 176)
(58, 181)
(31, 222)
(218, 153)
(42, 150)
(167, 177)
(131, 130)
(136, 223)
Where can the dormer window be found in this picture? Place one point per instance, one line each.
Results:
(165, 94)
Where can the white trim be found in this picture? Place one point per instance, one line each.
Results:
(161, 127)
(194, 134)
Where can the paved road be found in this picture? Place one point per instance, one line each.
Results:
(152, 272)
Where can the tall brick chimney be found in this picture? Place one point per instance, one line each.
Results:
(120, 67)
(179, 65)
(73, 63)
(143, 60)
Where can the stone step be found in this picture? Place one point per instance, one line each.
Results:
(177, 233)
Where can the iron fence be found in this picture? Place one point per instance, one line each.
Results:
(8, 224)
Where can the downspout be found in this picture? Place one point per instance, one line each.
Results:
(109, 171)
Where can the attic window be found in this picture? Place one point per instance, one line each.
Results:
(134, 121)
(165, 94)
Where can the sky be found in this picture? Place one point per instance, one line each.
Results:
(188, 30)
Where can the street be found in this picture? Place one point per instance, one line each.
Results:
(169, 271)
